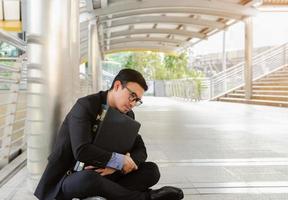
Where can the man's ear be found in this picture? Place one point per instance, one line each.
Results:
(117, 85)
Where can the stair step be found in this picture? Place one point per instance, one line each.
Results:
(270, 97)
(271, 83)
(279, 75)
(235, 95)
(255, 101)
(269, 87)
(271, 90)
(261, 97)
(284, 70)
(266, 92)
(273, 79)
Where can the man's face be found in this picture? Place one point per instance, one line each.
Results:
(125, 96)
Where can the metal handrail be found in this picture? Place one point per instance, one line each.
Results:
(9, 58)
(12, 40)
(9, 103)
(2, 127)
(20, 120)
(8, 80)
(2, 116)
(233, 78)
(6, 92)
(17, 140)
(257, 58)
(9, 68)
(188, 88)
(18, 130)
(87, 84)
(4, 104)
(276, 57)
(21, 110)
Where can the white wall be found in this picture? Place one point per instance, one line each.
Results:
(12, 9)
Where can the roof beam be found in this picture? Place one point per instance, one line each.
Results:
(193, 11)
(145, 44)
(104, 5)
(146, 39)
(139, 47)
(164, 19)
(207, 5)
(158, 31)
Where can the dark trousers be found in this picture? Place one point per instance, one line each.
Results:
(117, 186)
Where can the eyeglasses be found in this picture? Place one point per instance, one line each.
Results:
(133, 97)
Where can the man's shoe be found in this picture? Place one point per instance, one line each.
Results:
(166, 193)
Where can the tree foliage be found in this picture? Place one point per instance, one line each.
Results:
(156, 66)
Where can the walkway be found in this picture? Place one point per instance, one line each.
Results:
(214, 150)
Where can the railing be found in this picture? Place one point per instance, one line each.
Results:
(12, 110)
(111, 67)
(85, 84)
(12, 40)
(109, 71)
(230, 79)
(107, 79)
(190, 89)
(262, 64)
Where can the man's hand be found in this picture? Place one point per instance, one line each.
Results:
(102, 171)
(129, 164)
(105, 171)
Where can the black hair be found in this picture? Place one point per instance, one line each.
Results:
(130, 75)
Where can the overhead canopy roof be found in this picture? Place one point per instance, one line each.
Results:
(162, 25)
(274, 6)
(275, 2)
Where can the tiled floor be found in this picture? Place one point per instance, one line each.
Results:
(213, 150)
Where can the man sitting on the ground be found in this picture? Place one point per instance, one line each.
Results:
(120, 177)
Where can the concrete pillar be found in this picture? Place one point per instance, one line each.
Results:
(94, 58)
(224, 52)
(224, 65)
(50, 76)
(248, 72)
(285, 60)
(75, 60)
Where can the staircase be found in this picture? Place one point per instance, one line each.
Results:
(270, 90)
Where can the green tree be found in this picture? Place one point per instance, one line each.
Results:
(148, 63)
(176, 65)
(120, 57)
(156, 66)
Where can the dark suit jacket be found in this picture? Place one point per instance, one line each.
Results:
(74, 143)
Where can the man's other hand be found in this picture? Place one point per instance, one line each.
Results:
(129, 164)
(105, 171)
(102, 171)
